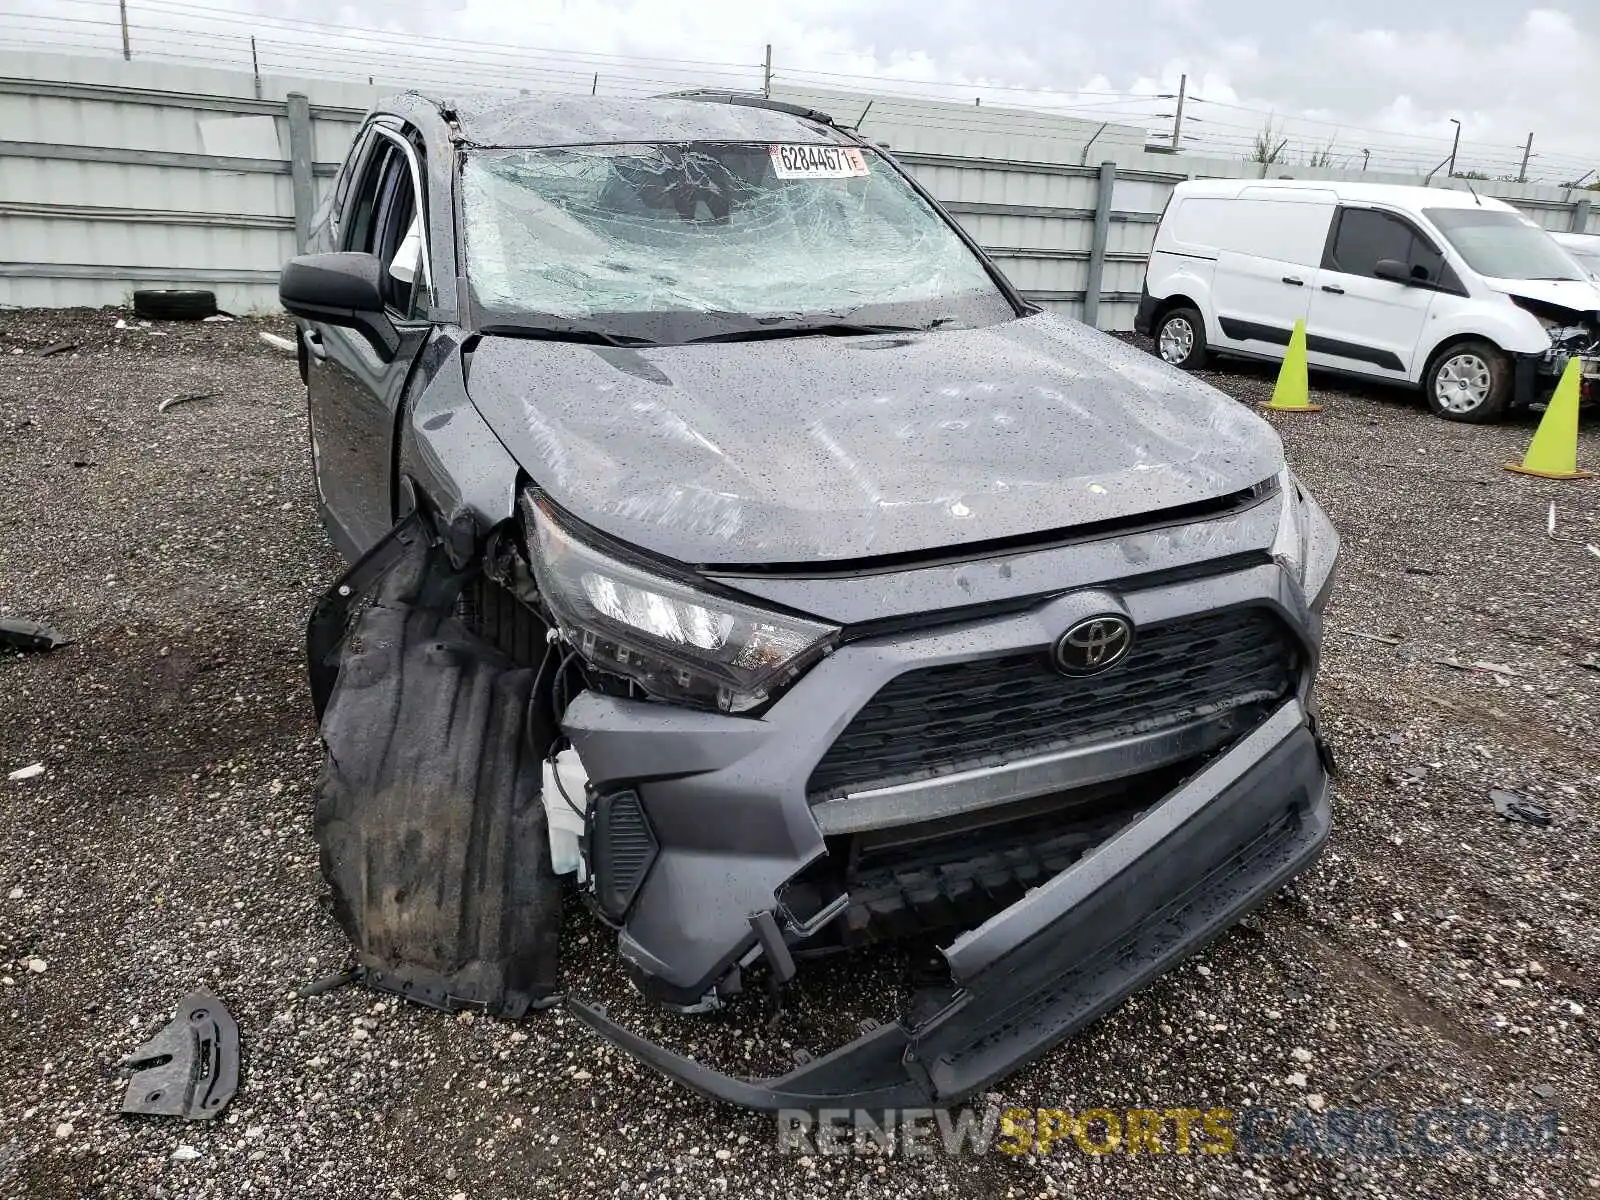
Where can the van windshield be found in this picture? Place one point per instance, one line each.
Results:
(673, 242)
(1503, 245)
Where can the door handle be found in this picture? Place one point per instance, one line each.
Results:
(1334, 288)
(1290, 279)
(313, 341)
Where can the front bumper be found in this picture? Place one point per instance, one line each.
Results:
(1188, 868)
(1534, 376)
(726, 798)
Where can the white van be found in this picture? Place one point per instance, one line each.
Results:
(1458, 294)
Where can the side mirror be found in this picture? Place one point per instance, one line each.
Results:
(1395, 271)
(340, 289)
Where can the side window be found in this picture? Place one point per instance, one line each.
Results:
(385, 221)
(362, 205)
(347, 173)
(1365, 235)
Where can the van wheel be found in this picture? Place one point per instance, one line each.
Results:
(1181, 339)
(1470, 381)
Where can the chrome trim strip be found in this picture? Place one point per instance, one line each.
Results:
(1063, 770)
(418, 198)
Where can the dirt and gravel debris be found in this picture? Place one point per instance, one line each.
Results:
(1439, 955)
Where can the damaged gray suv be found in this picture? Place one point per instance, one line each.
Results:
(737, 551)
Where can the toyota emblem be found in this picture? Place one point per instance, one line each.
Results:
(1094, 645)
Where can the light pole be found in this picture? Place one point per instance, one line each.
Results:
(1454, 146)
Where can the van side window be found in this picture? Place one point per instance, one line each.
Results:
(1365, 235)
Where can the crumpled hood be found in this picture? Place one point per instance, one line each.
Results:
(1576, 294)
(825, 448)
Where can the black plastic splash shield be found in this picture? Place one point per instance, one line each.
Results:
(428, 815)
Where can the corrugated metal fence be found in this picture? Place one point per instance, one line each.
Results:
(107, 188)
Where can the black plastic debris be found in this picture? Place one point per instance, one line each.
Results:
(55, 348)
(191, 1068)
(428, 817)
(30, 635)
(1515, 807)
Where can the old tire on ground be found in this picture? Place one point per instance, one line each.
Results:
(1468, 381)
(174, 304)
(1181, 339)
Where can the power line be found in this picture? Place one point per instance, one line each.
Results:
(348, 32)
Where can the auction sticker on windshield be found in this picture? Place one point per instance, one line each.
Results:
(817, 162)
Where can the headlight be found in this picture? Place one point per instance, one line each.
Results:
(1306, 543)
(677, 643)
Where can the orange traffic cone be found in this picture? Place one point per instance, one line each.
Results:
(1553, 453)
(1293, 390)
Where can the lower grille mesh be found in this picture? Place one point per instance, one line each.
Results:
(959, 716)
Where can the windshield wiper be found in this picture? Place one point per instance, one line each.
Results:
(569, 331)
(812, 329)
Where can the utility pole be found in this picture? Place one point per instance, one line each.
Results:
(127, 52)
(1527, 152)
(1366, 157)
(1177, 117)
(1454, 146)
(255, 65)
(594, 88)
(766, 74)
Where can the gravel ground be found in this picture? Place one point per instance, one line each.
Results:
(1437, 956)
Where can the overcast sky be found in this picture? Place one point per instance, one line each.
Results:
(1395, 66)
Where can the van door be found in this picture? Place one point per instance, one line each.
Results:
(1359, 322)
(1267, 256)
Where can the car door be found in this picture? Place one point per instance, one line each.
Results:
(354, 393)
(1269, 241)
(1359, 322)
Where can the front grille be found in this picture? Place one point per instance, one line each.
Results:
(985, 712)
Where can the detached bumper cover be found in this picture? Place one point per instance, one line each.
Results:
(1039, 971)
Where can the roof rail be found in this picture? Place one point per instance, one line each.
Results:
(752, 100)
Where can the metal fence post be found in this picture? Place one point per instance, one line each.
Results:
(298, 109)
(1580, 217)
(1097, 248)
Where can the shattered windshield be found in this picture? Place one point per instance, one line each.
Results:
(712, 231)
(1503, 245)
